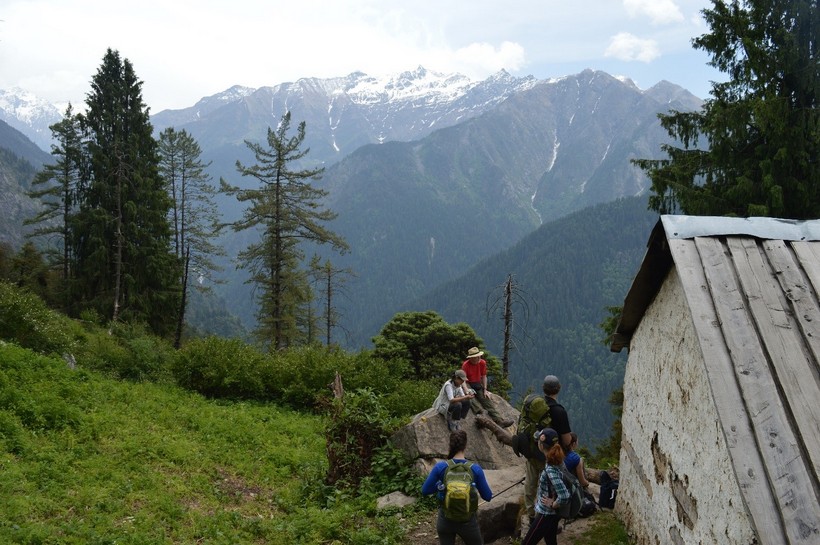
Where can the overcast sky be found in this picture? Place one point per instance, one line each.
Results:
(184, 50)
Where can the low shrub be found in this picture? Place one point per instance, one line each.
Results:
(411, 398)
(12, 436)
(27, 321)
(125, 351)
(391, 470)
(35, 408)
(148, 357)
(357, 429)
(228, 368)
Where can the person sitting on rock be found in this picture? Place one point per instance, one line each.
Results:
(452, 401)
(574, 462)
(475, 368)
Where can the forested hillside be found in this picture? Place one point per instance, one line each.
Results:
(566, 275)
(19, 161)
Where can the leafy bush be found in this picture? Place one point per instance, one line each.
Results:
(305, 374)
(35, 409)
(357, 429)
(392, 470)
(149, 357)
(128, 352)
(229, 368)
(102, 352)
(12, 436)
(26, 321)
(411, 398)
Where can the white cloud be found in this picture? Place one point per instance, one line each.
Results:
(627, 47)
(479, 59)
(184, 50)
(660, 12)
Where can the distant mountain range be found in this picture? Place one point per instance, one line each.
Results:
(443, 187)
(430, 173)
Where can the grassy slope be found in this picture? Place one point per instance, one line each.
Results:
(84, 459)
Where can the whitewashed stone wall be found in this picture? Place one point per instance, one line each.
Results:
(677, 483)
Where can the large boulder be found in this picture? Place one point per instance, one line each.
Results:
(498, 517)
(426, 440)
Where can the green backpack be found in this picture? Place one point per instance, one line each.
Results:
(460, 500)
(535, 416)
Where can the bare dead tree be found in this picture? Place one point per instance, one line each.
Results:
(511, 301)
(330, 282)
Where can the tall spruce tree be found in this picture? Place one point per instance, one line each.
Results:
(194, 216)
(125, 266)
(753, 149)
(58, 188)
(285, 208)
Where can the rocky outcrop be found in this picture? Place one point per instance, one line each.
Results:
(426, 441)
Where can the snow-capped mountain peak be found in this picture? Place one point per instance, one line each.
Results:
(29, 114)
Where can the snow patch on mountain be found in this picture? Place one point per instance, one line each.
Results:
(29, 114)
(26, 106)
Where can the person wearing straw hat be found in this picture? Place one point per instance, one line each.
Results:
(453, 401)
(475, 367)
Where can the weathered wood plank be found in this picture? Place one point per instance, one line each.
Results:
(808, 256)
(789, 477)
(793, 349)
(746, 458)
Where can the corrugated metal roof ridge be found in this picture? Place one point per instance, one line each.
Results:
(677, 226)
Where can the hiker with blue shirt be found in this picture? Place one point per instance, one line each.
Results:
(552, 492)
(574, 462)
(448, 529)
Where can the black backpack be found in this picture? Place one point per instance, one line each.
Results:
(535, 416)
(570, 509)
(588, 506)
(609, 491)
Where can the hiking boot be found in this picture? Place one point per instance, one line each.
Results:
(505, 423)
(452, 425)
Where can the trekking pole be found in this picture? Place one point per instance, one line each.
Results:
(508, 488)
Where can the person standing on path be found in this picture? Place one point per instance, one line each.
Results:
(559, 422)
(470, 531)
(552, 492)
(475, 367)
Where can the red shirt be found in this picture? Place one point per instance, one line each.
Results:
(475, 370)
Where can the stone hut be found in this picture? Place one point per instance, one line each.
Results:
(721, 420)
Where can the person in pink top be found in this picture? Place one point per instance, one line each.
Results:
(475, 367)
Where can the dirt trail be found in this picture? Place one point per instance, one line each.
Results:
(425, 533)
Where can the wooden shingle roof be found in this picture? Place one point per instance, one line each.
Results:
(751, 287)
